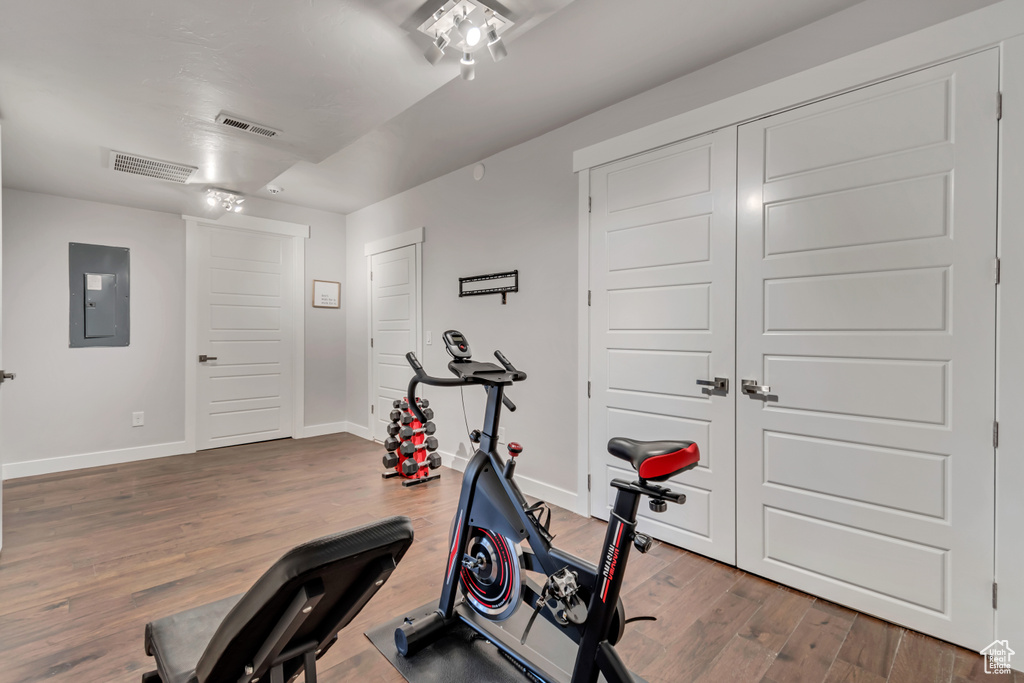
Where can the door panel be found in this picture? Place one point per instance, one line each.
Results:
(662, 279)
(243, 320)
(866, 239)
(395, 329)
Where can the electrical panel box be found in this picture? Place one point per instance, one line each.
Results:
(99, 280)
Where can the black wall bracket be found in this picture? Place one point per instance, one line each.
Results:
(494, 283)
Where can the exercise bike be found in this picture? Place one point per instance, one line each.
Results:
(488, 563)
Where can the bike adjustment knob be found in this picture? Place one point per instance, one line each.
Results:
(514, 449)
(474, 436)
(643, 542)
(658, 505)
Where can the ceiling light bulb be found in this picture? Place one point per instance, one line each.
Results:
(495, 45)
(470, 33)
(468, 67)
(239, 200)
(238, 207)
(211, 200)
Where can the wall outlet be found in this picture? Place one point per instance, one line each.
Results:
(138, 419)
(429, 340)
(501, 435)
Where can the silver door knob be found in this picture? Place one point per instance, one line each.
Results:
(750, 387)
(716, 384)
(203, 358)
(4, 376)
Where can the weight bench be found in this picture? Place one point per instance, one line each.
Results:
(287, 620)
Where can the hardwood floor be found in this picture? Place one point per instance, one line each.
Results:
(90, 556)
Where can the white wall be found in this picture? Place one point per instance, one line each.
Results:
(523, 215)
(72, 408)
(74, 401)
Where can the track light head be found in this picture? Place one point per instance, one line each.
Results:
(495, 45)
(435, 52)
(468, 65)
(469, 32)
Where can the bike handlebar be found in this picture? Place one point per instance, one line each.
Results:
(421, 377)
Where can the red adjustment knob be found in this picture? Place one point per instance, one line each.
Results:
(514, 449)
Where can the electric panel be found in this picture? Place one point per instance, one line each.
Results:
(99, 299)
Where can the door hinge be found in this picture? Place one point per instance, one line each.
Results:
(998, 269)
(588, 389)
(590, 205)
(995, 595)
(371, 409)
(371, 342)
(588, 482)
(588, 297)
(999, 106)
(995, 434)
(371, 276)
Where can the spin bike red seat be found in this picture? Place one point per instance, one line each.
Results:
(656, 460)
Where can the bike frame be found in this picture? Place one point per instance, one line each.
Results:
(492, 500)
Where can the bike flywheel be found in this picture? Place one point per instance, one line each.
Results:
(493, 584)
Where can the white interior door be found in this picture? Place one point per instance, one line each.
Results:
(395, 325)
(662, 278)
(1, 366)
(244, 392)
(866, 301)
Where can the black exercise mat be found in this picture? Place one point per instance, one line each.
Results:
(462, 655)
(459, 656)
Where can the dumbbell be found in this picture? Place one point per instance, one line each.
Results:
(391, 444)
(393, 429)
(410, 467)
(408, 418)
(408, 448)
(396, 415)
(408, 432)
(399, 404)
(424, 403)
(390, 461)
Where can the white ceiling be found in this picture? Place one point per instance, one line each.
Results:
(363, 115)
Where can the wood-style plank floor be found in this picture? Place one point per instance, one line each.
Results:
(90, 556)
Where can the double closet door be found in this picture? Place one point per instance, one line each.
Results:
(839, 259)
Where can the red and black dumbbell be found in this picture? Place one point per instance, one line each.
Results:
(408, 432)
(408, 448)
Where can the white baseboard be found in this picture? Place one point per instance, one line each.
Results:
(531, 487)
(325, 428)
(65, 463)
(358, 430)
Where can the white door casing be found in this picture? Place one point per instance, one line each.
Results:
(662, 278)
(866, 233)
(394, 329)
(245, 308)
(1, 367)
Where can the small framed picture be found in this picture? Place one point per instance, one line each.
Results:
(326, 294)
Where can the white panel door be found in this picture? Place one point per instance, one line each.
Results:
(244, 315)
(866, 302)
(662, 277)
(395, 329)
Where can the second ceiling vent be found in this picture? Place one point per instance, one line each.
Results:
(239, 123)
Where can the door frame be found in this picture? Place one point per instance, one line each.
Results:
(370, 249)
(294, 294)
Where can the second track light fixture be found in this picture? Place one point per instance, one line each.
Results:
(464, 25)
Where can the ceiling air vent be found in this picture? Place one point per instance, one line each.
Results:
(247, 126)
(151, 168)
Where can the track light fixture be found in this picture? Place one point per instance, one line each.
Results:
(464, 25)
(229, 201)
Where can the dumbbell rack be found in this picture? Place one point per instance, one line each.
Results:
(410, 445)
